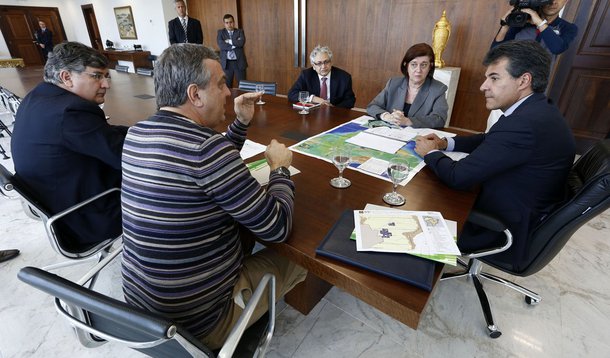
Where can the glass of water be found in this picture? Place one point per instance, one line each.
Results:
(260, 89)
(341, 158)
(304, 98)
(398, 170)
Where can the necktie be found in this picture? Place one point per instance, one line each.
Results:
(184, 28)
(324, 89)
(231, 53)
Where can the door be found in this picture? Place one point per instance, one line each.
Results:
(18, 24)
(92, 28)
(582, 76)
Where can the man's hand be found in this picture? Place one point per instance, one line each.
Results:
(534, 17)
(244, 106)
(320, 100)
(278, 155)
(428, 143)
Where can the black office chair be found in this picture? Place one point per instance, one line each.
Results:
(250, 86)
(97, 319)
(588, 191)
(61, 242)
(9, 103)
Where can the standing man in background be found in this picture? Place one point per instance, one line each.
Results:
(184, 29)
(44, 39)
(231, 41)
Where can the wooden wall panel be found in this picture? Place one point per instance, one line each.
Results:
(589, 117)
(582, 75)
(210, 13)
(269, 28)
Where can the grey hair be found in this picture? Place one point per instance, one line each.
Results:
(72, 57)
(318, 50)
(523, 56)
(179, 66)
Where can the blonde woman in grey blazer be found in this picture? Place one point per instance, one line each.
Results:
(415, 99)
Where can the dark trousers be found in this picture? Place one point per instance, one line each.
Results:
(232, 71)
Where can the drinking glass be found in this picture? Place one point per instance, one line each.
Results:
(398, 170)
(341, 158)
(304, 98)
(260, 89)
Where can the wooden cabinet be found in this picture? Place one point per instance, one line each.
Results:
(138, 58)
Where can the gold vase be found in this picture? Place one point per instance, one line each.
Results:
(440, 35)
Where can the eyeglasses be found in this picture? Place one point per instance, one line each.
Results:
(98, 76)
(326, 62)
(422, 66)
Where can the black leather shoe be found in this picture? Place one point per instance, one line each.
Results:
(6, 255)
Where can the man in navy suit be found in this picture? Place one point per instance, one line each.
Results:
(177, 34)
(44, 39)
(328, 84)
(522, 163)
(63, 148)
(231, 42)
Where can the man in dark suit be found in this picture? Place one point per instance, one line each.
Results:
(63, 148)
(184, 28)
(44, 39)
(231, 43)
(329, 85)
(522, 163)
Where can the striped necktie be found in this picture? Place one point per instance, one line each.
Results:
(184, 28)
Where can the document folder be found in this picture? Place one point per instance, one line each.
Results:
(406, 268)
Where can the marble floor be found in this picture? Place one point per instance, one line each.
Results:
(571, 321)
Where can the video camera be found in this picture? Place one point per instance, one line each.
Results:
(518, 18)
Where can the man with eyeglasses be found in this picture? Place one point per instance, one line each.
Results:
(63, 148)
(328, 85)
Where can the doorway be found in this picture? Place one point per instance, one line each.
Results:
(18, 24)
(92, 28)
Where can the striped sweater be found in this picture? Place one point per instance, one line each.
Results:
(185, 190)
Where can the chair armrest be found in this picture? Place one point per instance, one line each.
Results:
(73, 208)
(234, 337)
(493, 224)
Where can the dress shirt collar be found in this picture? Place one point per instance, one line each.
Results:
(512, 108)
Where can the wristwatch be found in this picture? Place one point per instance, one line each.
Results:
(283, 171)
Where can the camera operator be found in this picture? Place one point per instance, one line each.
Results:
(545, 27)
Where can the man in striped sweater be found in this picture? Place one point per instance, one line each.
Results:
(186, 193)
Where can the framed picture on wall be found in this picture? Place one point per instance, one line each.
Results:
(124, 20)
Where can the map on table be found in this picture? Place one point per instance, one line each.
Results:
(366, 160)
(422, 233)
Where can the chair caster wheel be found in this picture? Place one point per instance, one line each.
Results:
(531, 301)
(493, 331)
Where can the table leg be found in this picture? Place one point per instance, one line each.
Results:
(306, 295)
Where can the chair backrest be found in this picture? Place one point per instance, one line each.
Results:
(589, 195)
(61, 241)
(106, 318)
(9, 101)
(250, 86)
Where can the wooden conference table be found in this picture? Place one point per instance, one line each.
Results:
(318, 206)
